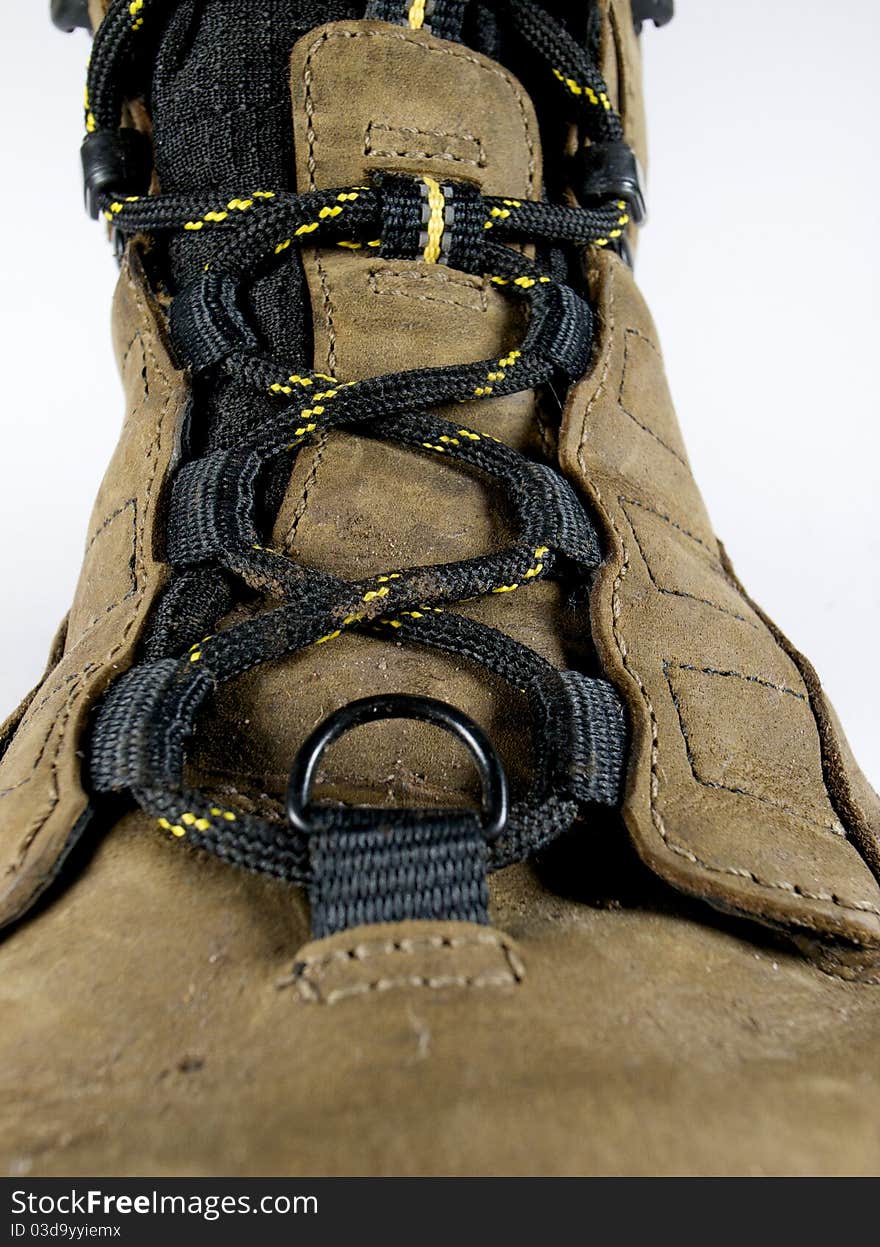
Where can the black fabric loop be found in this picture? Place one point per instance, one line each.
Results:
(205, 322)
(142, 724)
(606, 171)
(572, 532)
(122, 749)
(212, 506)
(190, 606)
(561, 330)
(590, 736)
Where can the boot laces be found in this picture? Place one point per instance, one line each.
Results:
(216, 542)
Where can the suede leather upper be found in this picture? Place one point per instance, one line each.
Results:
(41, 790)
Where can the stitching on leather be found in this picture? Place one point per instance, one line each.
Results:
(835, 828)
(636, 502)
(129, 502)
(126, 355)
(73, 693)
(620, 63)
(451, 50)
(680, 850)
(96, 620)
(62, 723)
(616, 612)
(311, 476)
(645, 428)
(680, 593)
(75, 675)
(429, 285)
(370, 150)
(436, 983)
(735, 675)
(383, 948)
(310, 988)
(328, 313)
(327, 301)
(73, 683)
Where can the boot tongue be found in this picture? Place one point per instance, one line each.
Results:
(221, 100)
(220, 109)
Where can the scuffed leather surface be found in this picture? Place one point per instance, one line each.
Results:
(41, 794)
(170, 1035)
(727, 796)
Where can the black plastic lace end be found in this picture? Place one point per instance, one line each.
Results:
(70, 15)
(115, 162)
(607, 171)
(657, 11)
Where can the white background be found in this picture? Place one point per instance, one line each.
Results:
(760, 261)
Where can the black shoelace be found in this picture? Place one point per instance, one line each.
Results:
(215, 533)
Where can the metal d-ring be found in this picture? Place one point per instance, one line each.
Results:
(399, 706)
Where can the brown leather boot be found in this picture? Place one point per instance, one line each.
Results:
(399, 451)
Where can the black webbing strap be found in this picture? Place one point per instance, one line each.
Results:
(212, 503)
(401, 226)
(405, 213)
(465, 227)
(374, 866)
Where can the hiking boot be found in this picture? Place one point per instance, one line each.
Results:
(413, 788)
